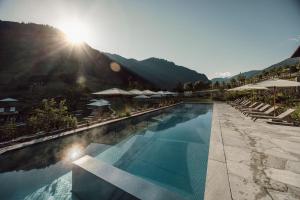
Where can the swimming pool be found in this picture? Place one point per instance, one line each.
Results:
(168, 148)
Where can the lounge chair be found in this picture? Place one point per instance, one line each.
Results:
(236, 101)
(252, 108)
(244, 105)
(239, 102)
(267, 112)
(257, 109)
(279, 117)
(283, 123)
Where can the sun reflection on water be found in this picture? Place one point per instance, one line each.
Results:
(74, 152)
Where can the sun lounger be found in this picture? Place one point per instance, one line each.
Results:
(245, 106)
(279, 117)
(283, 123)
(246, 103)
(267, 112)
(251, 108)
(236, 101)
(257, 110)
(239, 102)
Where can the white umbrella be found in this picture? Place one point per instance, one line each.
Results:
(156, 96)
(136, 92)
(168, 93)
(99, 103)
(141, 97)
(162, 93)
(275, 83)
(113, 92)
(248, 87)
(148, 92)
(8, 100)
(279, 83)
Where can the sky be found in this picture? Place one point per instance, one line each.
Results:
(215, 37)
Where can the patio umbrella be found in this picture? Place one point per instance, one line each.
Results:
(278, 83)
(8, 100)
(162, 93)
(99, 103)
(113, 92)
(141, 97)
(156, 96)
(248, 87)
(148, 92)
(136, 92)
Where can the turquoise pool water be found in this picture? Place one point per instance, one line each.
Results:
(168, 148)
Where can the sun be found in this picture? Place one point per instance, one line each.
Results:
(75, 31)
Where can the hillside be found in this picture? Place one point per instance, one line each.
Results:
(164, 74)
(296, 53)
(37, 59)
(247, 74)
(285, 63)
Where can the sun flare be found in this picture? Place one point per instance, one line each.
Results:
(75, 31)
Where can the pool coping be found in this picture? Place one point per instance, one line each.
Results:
(77, 130)
(217, 184)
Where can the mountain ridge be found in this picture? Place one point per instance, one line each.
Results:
(169, 74)
(38, 58)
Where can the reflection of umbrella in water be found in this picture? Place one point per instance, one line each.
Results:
(278, 83)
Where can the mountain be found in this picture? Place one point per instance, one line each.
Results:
(285, 63)
(39, 59)
(164, 74)
(296, 53)
(247, 74)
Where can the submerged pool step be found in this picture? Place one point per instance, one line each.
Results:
(133, 146)
(93, 179)
(165, 162)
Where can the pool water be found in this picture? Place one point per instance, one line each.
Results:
(168, 148)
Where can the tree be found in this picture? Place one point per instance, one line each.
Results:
(233, 82)
(241, 79)
(179, 87)
(200, 85)
(188, 86)
(216, 84)
(51, 116)
(293, 69)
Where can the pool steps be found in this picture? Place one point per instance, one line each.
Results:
(95, 179)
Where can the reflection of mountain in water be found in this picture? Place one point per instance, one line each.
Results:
(180, 115)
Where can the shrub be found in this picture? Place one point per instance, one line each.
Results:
(51, 116)
(296, 114)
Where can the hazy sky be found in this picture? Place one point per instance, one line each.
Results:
(209, 36)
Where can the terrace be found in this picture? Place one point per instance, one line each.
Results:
(251, 160)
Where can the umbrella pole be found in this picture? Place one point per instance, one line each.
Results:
(274, 99)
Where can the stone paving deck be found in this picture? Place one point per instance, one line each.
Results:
(251, 160)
